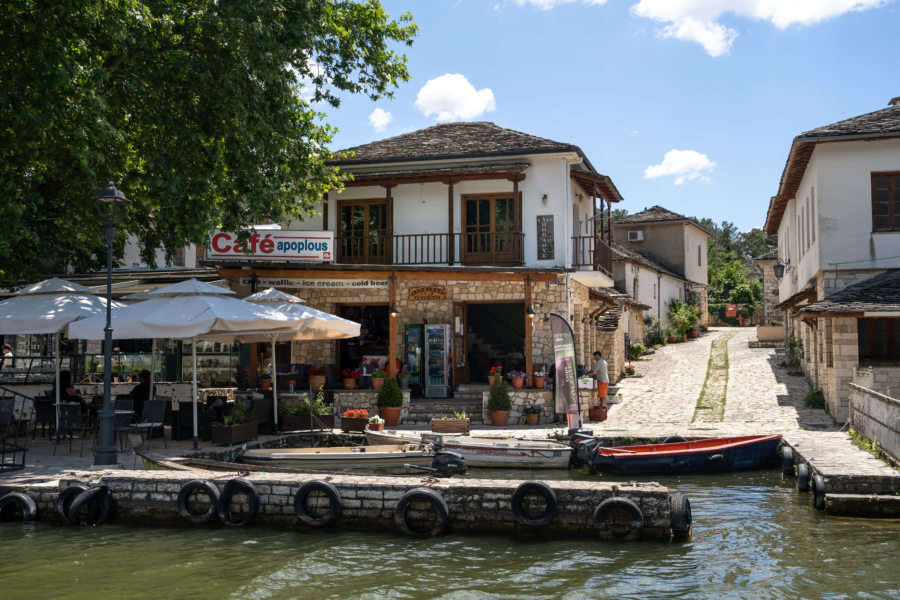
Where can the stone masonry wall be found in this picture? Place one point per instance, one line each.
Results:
(876, 416)
(367, 399)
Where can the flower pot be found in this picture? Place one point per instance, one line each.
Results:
(450, 425)
(235, 434)
(377, 383)
(288, 383)
(302, 422)
(317, 382)
(597, 413)
(672, 339)
(391, 415)
(357, 424)
(693, 333)
(518, 382)
(265, 384)
(403, 382)
(539, 382)
(499, 417)
(532, 419)
(349, 383)
(376, 426)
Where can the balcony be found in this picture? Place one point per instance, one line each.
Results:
(592, 251)
(504, 249)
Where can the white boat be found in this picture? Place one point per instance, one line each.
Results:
(393, 458)
(486, 452)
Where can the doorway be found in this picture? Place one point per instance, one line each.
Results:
(373, 335)
(495, 336)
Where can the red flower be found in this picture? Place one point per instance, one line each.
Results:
(356, 413)
(316, 371)
(496, 371)
(354, 373)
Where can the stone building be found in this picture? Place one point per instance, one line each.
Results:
(766, 264)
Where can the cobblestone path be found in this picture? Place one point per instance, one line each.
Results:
(711, 404)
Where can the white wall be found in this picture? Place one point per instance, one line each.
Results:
(653, 289)
(694, 238)
(132, 256)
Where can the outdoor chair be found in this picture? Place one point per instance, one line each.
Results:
(71, 422)
(124, 415)
(9, 436)
(153, 417)
(44, 415)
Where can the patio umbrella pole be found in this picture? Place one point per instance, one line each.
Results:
(153, 368)
(56, 387)
(194, 389)
(274, 384)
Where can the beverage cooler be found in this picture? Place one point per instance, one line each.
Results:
(437, 356)
(415, 342)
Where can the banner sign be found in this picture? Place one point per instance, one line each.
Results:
(299, 246)
(565, 386)
(431, 292)
(290, 283)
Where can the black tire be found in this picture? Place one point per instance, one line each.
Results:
(64, 501)
(223, 506)
(203, 487)
(534, 487)
(803, 477)
(680, 518)
(335, 505)
(787, 461)
(442, 512)
(601, 514)
(13, 502)
(818, 492)
(672, 439)
(97, 501)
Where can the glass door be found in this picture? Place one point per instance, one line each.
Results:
(363, 232)
(490, 229)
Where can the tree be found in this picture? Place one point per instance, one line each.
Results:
(202, 111)
(753, 243)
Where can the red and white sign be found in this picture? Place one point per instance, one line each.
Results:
(731, 310)
(300, 246)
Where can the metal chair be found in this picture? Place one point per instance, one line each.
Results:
(153, 416)
(71, 421)
(44, 415)
(10, 426)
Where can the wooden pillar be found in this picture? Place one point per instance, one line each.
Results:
(451, 240)
(608, 224)
(517, 229)
(392, 328)
(325, 211)
(529, 324)
(389, 251)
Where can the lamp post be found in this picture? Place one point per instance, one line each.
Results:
(108, 200)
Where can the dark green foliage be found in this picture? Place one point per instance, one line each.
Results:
(390, 394)
(814, 399)
(499, 397)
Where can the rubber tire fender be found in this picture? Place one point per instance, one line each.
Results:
(680, 516)
(336, 505)
(419, 494)
(818, 492)
(530, 487)
(223, 506)
(672, 439)
(25, 503)
(604, 508)
(100, 502)
(64, 501)
(803, 477)
(205, 487)
(787, 461)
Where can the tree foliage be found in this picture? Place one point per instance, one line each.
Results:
(202, 111)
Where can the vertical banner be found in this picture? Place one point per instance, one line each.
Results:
(565, 387)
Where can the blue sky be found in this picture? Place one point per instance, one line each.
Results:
(683, 103)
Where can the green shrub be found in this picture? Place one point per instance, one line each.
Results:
(499, 398)
(390, 394)
(636, 351)
(814, 399)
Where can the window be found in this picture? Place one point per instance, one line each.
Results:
(491, 228)
(699, 257)
(879, 339)
(362, 231)
(812, 208)
(885, 201)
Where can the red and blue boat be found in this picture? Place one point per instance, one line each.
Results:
(698, 456)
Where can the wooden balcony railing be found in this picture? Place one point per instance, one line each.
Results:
(592, 251)
(487, 248)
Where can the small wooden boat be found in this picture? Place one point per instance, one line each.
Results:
(699, 456)
(487, 452)
(384, 458)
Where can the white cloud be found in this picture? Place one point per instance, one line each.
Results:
(452, 98)
(698, 20)
(551, 4)
(380, 119)
(684, 165)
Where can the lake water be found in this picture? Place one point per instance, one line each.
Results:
(754, 537)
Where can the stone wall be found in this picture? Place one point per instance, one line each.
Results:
(845, 349)
(521, 398)
(367, 399)
(877, 417)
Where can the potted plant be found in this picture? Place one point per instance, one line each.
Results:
(316, 376)
(376, 423)
(518, 379)
(532, 414)
(496, 375)
(597, 413)
(499, 403)
(350, 376)
(458, 423)
(354, 419)
(288, 382)
(390, 402)
(265, 381)
(295, 415)
(403, 380)
(629, 370)
(540, 378)
(236, 427)
(242, 379)
(378, 379)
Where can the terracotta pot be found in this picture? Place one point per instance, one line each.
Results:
(532, 419)
(518, 382)
(539, 382)
(694, 333)
(499, 417)
(377, 383)
(672, 339)
(391, 415)
(597, 413)
(317, 382)
(376, 426)
(354, 424)
(349, 383)
(265, 384)
(287, 382)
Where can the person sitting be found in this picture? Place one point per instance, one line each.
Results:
(515, 360)
(67, 391)
(141, 392)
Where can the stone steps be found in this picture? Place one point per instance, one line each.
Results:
(423, 410)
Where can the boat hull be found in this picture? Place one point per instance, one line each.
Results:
(700, 456)
(381, 459)
(492, 453)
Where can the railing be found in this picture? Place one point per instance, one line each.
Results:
(592, 251)
(487, 248)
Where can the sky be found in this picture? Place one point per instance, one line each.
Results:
(687, 104)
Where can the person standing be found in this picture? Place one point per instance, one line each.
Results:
(6, 357)
(601, 374)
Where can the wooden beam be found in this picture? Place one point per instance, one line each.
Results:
(347, 273)
(392, 329)
(395, 180)
(529, 324)
(451, 240)
(325, 211)
(389, 200)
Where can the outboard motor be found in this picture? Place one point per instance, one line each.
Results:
(585, 448)
(435, 439)
(447, 464)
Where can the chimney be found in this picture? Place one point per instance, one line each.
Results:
(894, 101)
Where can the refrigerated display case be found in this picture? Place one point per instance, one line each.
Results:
(415, 335)
(217, 363)
(437, 353)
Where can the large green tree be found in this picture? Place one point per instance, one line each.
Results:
(202, 111)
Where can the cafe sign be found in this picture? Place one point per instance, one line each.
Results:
(431, 292)
(280, 245)
(297, 283)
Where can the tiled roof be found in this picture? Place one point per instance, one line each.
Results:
(881, 123)
(620, 252)
(880, 293)
(610, 319)
(651, 215)
(770, 255)
(453, 140)
(805, 293)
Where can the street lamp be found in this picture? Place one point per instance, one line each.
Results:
(108, 200)
(778, 269)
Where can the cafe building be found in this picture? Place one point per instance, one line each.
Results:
(451, 246)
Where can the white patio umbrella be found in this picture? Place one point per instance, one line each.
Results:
(48, 307)
(185, 310)
(308, 324)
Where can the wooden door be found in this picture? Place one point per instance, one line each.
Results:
(459, 343)
(490, 229)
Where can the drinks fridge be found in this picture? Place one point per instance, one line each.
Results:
(415, 346)
(437, 354)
